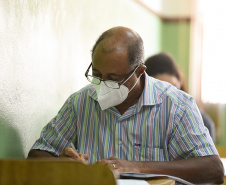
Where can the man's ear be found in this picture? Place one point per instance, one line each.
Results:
(141, 70)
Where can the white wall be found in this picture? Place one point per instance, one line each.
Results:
(44, 52)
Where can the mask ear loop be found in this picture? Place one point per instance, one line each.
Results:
(137, 79)
(135, 83)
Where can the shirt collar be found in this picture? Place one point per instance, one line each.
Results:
(93, 93)
(150, 95)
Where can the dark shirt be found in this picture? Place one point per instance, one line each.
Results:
(208, 122)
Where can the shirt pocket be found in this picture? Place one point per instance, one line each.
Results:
(141, 153)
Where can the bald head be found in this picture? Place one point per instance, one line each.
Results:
(122, 38)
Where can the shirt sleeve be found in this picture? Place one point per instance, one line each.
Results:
(190, 138)
(60, 132)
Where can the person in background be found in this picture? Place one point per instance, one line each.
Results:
(129, 121)
(162, 66)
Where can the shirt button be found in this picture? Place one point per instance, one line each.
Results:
(120, 142)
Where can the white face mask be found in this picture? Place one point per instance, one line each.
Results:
(108, 97)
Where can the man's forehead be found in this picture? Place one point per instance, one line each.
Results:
(113, 61)
(112, 51)
(111, 45)
(110, 48)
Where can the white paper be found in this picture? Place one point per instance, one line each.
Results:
(146, 176)
(131, 182)
(224, 164)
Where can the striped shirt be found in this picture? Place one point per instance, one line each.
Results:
(164, 125)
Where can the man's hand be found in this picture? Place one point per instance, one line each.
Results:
(73, 155)
(119, 165)
(197, 170)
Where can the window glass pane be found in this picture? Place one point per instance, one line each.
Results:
(214, 51)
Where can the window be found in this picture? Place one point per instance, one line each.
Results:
(213, 89)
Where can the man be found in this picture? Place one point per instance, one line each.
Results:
(129, 121)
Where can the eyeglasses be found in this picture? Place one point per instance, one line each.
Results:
(109, 83)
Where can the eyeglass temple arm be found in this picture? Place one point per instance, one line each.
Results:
(125, 80)
(88, 69)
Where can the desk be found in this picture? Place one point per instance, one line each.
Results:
(53, 172)
(161, 181)
(59, 172)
